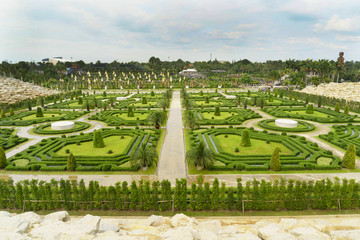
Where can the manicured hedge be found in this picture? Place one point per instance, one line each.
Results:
(334, 117)
(304, 154)
(43, 157)
(302, 126)
(8, 140)
(143, 195)
(16, 120)
(79, 126)
(238, 116)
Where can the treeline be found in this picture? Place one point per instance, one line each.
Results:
(160, 196)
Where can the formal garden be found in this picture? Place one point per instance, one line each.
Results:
(302, 126)
(46, 129)
(27, 118)
(102, 150)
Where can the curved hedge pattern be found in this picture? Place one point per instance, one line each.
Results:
(42, 156)
(79, 126)
(16, 120)
(304, 154)
(343, 136)
(302, 126)
(7, 140)
(334, 117)
(239, 115)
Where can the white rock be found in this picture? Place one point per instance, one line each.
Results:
(313, 237)
(308, 231)
(155, 220)
(14, 224)
(57, 216)
(13, 236)
(32, 217)
(88, 224)
(345, 235)
(5, 214)
(228, 231)
(49, 230)
(282, 236)
(181, 233)
(287, 223)
(106, 225)
(270, 230)
(182, 220)
(213, 226)
(245, 236)
(109, 235)
(207, 235)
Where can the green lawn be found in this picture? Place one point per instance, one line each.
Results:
(139, 104)
(46, 115)
(223, 115)
(206, 104)
(257, 146)
(136, 115)
(315, 114)
(114, 143)
(75, 104)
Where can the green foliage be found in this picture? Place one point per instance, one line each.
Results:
(310, 109)
(201, 93)
(337, 107)
(245, 138)
(2, 158)
(217, 111)
(130, 112)
(275, 160)
(145, 156)
(2, 114)
(71, 163)
(152, 94)
(11, 112)
(200, 156)
(319, 101)
(80, 101)
(206, 99)
(143, 100)
(349, 157)
(39, 112)
(346, 110)
(98, 141)
(190, 120)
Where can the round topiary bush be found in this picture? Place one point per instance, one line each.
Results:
(237, 150)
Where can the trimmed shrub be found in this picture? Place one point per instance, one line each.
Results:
(71, 163)
(98, 141)
(349, 157)
(275, 160)
(217, 111)
(245, 138)
(2, 158)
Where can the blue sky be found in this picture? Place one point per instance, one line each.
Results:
(135, 30)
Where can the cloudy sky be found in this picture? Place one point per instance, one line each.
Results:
(135, 30)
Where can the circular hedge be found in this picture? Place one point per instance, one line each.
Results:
(79, 126)
(302, 126)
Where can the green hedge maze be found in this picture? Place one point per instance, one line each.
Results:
(51, 154)
(297, 153)
(8, 140)
(227, 116)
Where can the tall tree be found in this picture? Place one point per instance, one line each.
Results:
(144, 157)
(200, 156)
(349, 157)
(275, 160)
(2, 158)
(71, 163)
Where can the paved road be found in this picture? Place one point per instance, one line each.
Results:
(172, 158)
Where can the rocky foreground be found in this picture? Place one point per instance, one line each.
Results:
(59, 225)
(13, 90)
(349, 91)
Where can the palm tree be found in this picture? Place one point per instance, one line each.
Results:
(164, 104)
(200, 156)
(157, 118)
(144, 157)
(191, 120)
(187, 103)
(168, 94)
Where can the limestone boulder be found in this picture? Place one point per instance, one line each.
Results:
(14, 224)
(209, 226)
(180, 220)
(155, 220)
(180, 233)
(32, 217)
(345, 235)
(270, 230)
(57, 216)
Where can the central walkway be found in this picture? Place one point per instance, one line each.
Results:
(172, 157)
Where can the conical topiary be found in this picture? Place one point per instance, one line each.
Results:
(39, 112)
(71, 163)
(217, 111)
(2, 158)
(98, 141)
(349, 157)
(275, 160)
(245, 139)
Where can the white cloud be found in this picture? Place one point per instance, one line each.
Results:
(314, 42)
(221, 35)
(246, 25)
(343, 38)
(335, 23)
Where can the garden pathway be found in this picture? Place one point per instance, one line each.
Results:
(172, 157)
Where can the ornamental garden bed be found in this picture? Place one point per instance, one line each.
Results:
(120, 117)
(51, 154)
(8, 139)
(269, 124)
(46, 129)
(29, 117)
(343, 136)
(269, 100)
(296, 152)
(321, 115)
(227, 116)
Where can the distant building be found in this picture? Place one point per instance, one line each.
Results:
(55, 60)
